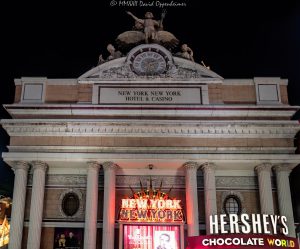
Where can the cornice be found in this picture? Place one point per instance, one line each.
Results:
(284, 129)
(181, 111)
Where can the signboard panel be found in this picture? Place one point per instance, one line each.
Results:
(242, 241)
(152, 95)
(151, 237)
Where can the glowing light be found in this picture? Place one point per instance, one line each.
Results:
(151, 205)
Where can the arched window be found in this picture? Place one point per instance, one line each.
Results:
(70, 204)
(232, 205)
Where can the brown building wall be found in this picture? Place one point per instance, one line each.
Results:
(85, 93)
(18, 91)
(284, 95)
(218, 94)
(215, 94)
(47, 238)
(238, 94)
(61, 94)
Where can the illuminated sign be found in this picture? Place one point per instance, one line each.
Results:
(245, 231)
(241, 241)
(245, 223)
(151, 205)
(151, 236)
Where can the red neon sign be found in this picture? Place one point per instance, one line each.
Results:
(151, 206)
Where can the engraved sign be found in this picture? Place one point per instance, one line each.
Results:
(150, 95)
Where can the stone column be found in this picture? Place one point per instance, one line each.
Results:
(91, 206)
(284, 196)
(109, 205)
(265, 188)
(191, 193)
(37, 203)
(18, 206)
(210, 195)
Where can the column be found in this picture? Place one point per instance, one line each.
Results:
(109, 205)
(37, 203)
(18, 206)
(210, 195)
(91, 206)
(284, 196)
(265, 188)
(191, 198)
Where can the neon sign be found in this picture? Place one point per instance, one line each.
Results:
(245, 231)
(151, 205)
(254, 223)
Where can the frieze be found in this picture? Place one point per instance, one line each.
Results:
(237, 182)
(124, 72)
(100, 128)
(234, 182)
(222, 182)
(134, 181)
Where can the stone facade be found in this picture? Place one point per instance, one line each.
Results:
(103, 134)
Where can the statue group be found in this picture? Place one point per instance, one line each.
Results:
(146, 30)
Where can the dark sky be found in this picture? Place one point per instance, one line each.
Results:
(237, 39)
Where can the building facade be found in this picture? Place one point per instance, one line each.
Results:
(147, 124)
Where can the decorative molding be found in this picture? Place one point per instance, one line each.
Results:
(134, 181)
(80, 212)
(237, 182)
(153, 149)
(109, 166)
(39, 165)
(62, 180)
(263, 167)
(285, 167)
(191, 166)
(94, 165)
(20, 165)
(178, 69)
(202, 129)
(208, 166)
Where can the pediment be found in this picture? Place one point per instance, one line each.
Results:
(179, 69)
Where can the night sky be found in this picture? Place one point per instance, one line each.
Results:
(237, 39)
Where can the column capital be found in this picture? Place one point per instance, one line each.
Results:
(109, 166)
(93, 165)
(20, 165)
(207, 166)
(263, 167)
(39, 165)
(285, 167)
(191, 165)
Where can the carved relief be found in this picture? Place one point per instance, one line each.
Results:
(134, 181)
(240, 182)
(80, 212)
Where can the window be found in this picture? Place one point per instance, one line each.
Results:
(232, 205)
(70, 204)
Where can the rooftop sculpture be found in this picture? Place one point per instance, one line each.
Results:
(147, 30)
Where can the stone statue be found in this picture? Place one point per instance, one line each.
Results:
(146, 30)
(100, 60)
(187, 52)
(150, 26)
(113, 53)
